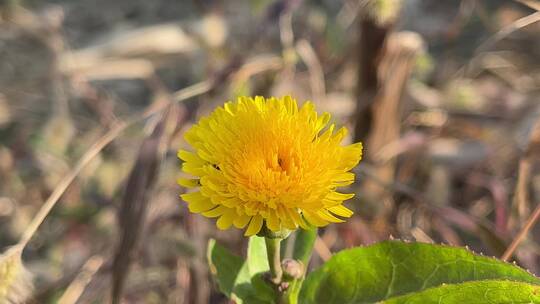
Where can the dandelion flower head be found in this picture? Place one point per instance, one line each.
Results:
(267, 161)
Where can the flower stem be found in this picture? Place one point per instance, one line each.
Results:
(291, 295)
(274, 260)
(303, 246)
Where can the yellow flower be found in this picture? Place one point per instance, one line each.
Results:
(266, 160)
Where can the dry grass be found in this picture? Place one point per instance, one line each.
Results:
(450, 151)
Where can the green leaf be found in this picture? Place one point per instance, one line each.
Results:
(239, 280)
(243, 289)
(264, 291)
(224, 265)
(256, 256)
(476, 292)
(257, 260)
(392, 268)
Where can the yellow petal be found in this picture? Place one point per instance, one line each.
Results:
(193, 197)
(241, 221)
(341, 211)
(192, 168)
(322, 121)
(197, 202)
(255, 225)
(285, 219)
(188, 182)
(200, 206)
(226, 220)
(189, 156)
(314, 219)
(231, 202)
(327, 216)
(344, 176)
(336, 196)
(272, 222)
(340, 134)
(219, 210)
(297, 219)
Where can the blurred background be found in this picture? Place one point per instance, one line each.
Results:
(95, 96)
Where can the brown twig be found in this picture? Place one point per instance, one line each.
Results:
(506, 31)
(316, 73)
(76, 288)
(521, 199)
(472, 66)
(530, 3)
(93, 151)
(138, 190)
(459, 218)
(385, 110)
(522, 234)
(322, 249)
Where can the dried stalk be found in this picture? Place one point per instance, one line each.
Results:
(316, 73)
(77, 286)
(93, 151)
(132, 212)
(522, 234)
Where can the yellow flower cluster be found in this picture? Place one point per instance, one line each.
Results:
(265, 160)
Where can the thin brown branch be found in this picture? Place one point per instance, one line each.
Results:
(522, 234)
(530, 3)
(76, 288)
(93, 151)
(506, 31)
(316, 73)
(521, 197)
(132, 212)
(322, 249)
(461, 219)
(472, 66)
